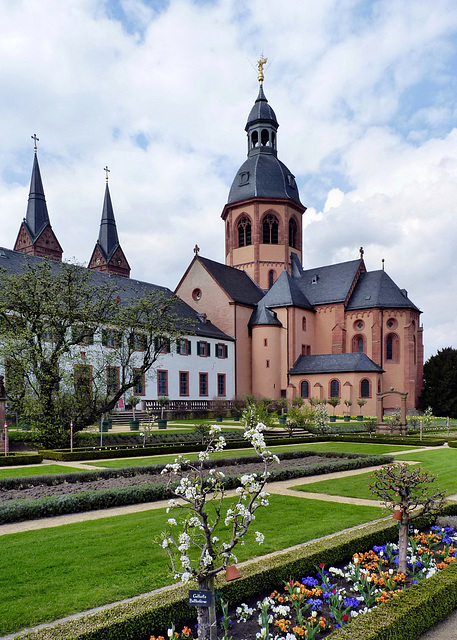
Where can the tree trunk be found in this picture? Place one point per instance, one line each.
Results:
(403, 544)
(206, 616)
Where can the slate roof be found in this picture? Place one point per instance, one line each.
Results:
(127, 289)
(377, 289)
(37, 217)
(335, 363)
(237, 284)
(267, 177)
(331, 283)
(108, 240)
(261, 111)
(285, 292)
(264, 316)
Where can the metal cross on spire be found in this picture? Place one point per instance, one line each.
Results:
(196, 249)
(35, 140)
(106, 170)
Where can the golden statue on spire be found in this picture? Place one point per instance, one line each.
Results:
(260, 65)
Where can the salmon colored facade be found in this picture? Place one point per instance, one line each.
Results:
(334, 330)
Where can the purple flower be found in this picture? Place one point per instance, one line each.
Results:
(351, 602)
(309, 581)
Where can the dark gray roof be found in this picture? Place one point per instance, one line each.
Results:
(237, 284)
(261, 112)
(377, 289)
(127, 289)
(263, 176)
(332, 283)
(285, 292)
(37, 217)
(335, 363)
(264, 316)
(108, 240)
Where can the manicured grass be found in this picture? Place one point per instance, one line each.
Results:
(50, 573)
(441, 462)
(344, 447)
(39, 470)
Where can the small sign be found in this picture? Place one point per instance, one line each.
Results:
(120, 403)
(200, 598)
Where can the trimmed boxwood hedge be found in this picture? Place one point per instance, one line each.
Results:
(20, 510)
(13, 459)
(403, 618)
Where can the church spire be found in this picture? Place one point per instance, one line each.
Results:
(108, 255)
(36, 236)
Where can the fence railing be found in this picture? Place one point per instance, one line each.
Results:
(189, 405)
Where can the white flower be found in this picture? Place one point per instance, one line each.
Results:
(172, 522)
(186, 576)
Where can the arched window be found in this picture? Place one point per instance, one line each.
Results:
(271, 278)
(334, 389)
(358, 344)
(392, 347)
(270, 229)
(244, 232)
(304, 389)
(265, 138)
(254, 139)
(365, 388)
(293, 233)
(303, 323)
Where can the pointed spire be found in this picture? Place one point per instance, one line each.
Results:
(36, 236)
(37, 217)
(108, 240)
(108, 255)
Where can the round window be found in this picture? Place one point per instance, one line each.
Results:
(196, 294)
(358, 325)
(392, 323)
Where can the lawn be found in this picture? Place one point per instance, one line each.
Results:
(441, 462)
(50, 573)
(344, 447)
(41, 470)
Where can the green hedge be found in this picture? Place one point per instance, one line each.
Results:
(413, 611)
(19, 510)
(13, 459)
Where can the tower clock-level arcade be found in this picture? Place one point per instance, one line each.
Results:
(263, 215)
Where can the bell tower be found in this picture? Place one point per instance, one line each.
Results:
(263, 215)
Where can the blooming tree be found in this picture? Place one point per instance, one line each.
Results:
(191, 541)
(407, 490)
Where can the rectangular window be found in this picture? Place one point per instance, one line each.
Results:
(112, 379)
(137, 341)
(203, 349)
(109, 338)
(83, 378)
(203, 383)
(139, 386)
(162, 383)
(221, 384)
(265, 342)
(268, 364)
(183, 347)
(161, 344)
(306, 350)
(221, 350)
(82, 335)
(183, 383)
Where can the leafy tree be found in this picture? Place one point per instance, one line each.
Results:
(299, 417)
(407, 490)
(334, 402)
(55, 322)
(440, 383)
(192, 542)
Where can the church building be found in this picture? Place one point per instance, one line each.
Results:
(335, 330)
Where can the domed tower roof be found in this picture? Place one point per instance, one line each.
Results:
(262, 175)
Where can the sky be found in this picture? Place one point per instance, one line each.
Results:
(159, 91)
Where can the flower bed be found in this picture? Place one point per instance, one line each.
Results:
(316, 605)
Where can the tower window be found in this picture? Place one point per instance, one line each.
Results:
(244, 232)
(244, 177)
(270, 229)
(358, 344)
(254, 139)
(271, 278)
(265, 138)
(392, 348)
(293, 233)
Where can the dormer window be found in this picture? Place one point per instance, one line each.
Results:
(291, 181)
(314, 279)
(244, 177)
